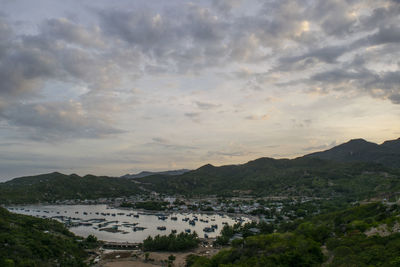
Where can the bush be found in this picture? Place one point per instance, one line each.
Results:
(172, 242)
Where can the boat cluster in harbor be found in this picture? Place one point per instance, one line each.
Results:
(114, 224)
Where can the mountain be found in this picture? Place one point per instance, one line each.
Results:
(282, 177)
(147, 173)
(359, 150)
(57, 186)
(355, 170)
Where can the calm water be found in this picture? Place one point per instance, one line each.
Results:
(125, 221)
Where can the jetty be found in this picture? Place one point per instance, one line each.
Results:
(121, 245)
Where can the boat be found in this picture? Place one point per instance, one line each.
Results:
(208, 229)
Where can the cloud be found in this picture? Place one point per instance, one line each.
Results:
(23, 70)
(61, 51)
(68, 77)
(385, 85)
(228, 154)
(258, 117)
(192, 114)
(386, 34)
(327, 54)
(330, 54)
(166, 144)
(320, 147)
(70, 32)
(56, 121)
(225, 6)
(206, 105)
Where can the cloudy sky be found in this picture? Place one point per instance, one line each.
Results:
(115, 87)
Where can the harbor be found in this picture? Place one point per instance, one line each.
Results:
(133, 226)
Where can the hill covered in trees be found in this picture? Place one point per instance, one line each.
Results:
(354, 170)
(30, 241)
(367, 235)
(147, 173)
(359, 150)
(297, 177)
(57, 186)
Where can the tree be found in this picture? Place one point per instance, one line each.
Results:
(171, 259)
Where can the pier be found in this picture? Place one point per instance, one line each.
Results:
(121, 245)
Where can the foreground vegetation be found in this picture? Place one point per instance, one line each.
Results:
(29, 241)
(367, 235)
(171, 242)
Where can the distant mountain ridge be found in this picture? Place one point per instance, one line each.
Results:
(305, 176)
(355, 170)
(360, 150)
(147, 173)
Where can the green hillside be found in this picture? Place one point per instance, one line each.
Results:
(361, 236)
(56, 186)
(359, 150)
(29, 241)
(354, 170)
(298, 177)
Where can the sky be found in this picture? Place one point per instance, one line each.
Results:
(115, 87)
